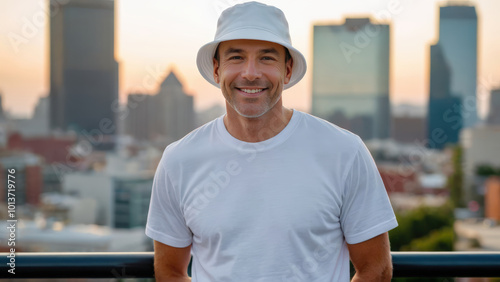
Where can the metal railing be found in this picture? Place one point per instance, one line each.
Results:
(140, 265)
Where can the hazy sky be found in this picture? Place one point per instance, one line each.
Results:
(154, 36)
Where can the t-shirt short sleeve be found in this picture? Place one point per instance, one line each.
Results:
(166, 222)
(366, 210)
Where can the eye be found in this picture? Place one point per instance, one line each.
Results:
(268, 58)
(235, 58)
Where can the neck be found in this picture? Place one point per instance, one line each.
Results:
(257, 129)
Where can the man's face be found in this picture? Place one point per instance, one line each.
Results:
(251, 75)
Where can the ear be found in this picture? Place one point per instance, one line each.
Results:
(216, 70)
(288, 71)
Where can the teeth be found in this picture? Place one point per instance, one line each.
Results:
(251, 91)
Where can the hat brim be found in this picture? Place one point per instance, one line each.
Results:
(206, 54)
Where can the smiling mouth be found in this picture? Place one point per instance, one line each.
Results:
(251, 91)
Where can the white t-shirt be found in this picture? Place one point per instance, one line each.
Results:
(277, 210)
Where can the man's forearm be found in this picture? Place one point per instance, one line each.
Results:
(171, 263)
(372, 259)
(375, 275)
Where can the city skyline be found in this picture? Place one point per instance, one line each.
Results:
(145, 56)
(87, 191)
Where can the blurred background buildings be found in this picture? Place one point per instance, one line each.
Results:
(351, 76)
(85, 162)
(83, 69)
(458, 41)
(167, 115)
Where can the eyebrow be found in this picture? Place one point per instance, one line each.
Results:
(271, 50)
(232, 50)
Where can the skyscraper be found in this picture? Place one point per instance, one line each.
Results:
(83, 69)
(351, 76)
(458, 40)
(494, 112)
(141, 119)
(168, 115)
(174, 109)
(2, 114)
(444, 118)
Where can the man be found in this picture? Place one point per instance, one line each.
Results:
(266, 193)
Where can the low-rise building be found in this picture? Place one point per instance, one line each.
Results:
(41, 235)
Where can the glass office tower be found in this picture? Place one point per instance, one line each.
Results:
(351, 76)
(458, 40)
(83, 69)
(443, 123)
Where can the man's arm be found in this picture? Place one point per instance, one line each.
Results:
(372, 259)
(171, 263)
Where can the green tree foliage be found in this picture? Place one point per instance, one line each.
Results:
(419, 223)
(487, 170)
(438, 240)
(455, 180)
(424, 229)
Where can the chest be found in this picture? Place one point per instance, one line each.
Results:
(275, 197)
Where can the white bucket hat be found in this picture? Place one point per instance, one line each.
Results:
(256, 21)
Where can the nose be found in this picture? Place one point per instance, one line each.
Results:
(251, 71)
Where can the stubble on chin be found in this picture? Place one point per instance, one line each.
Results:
(254, 111)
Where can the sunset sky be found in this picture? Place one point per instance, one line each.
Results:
(154, 36)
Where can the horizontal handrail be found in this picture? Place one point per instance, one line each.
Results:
(446, 264)
(140, 265)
